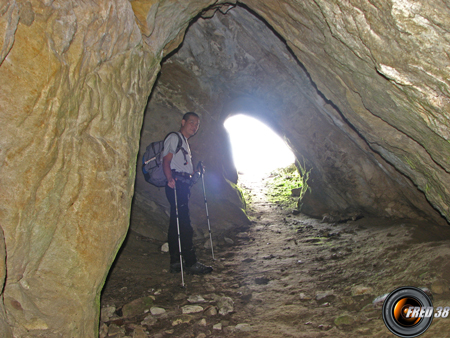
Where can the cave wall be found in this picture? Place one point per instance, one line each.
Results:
(384, 65)
(75, 78)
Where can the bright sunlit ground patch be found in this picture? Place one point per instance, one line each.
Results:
(257, 150)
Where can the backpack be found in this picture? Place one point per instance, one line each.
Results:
(152, 161)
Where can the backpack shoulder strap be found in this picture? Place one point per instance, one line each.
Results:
(180, 141)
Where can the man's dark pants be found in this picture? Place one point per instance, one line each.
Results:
(186, 231)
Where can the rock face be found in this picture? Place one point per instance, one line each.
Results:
(75, 79)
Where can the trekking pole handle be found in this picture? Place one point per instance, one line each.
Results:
(200, 167)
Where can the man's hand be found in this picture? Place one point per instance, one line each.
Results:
(201, 168)
(171, 183)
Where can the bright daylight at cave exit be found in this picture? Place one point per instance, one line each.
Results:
(257, 149)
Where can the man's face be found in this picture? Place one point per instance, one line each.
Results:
(190, 126)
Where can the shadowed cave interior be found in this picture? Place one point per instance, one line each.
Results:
(233, 62)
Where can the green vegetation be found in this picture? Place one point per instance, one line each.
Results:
(282, 181)
(245, 193)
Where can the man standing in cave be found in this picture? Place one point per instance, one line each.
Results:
(179, 170)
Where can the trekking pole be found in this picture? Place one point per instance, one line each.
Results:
(178, 230)
(200, 165)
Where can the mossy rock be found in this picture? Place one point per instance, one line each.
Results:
(344, 320)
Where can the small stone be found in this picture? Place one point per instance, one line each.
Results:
(226, 305)
(207, 244)
(324, 296)
(304, 297)
(179, 296)
(103, 332)
(136, 307)
(156, 311)
(243, 327)
(182, 320)
(243, 235)
(228, 240)
(324, 327)
(439, 287)
(114, 329)
(217, 326)
(107, 312)
(149, 321)
(139, 332)
(202, 322)
(361, 290)
(191, 309)
(211, 311)
(427, 291)
(379, 301)
(165, 247)
(196, 299)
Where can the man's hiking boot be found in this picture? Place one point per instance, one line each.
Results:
(175, 267)
(199, 269)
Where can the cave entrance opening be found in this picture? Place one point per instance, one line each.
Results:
(257, 149)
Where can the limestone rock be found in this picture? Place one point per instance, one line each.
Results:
(228, 240)
(211, 311)
(149, 320)
(196, 299)
(165, 247)
(325, 296)
(107, 312)
(137, 307)
(225, 305)
(139, 332)
(440, 286)
(191, 309)
(243, 327)
(157, 311)
(361, 290)
(303, 296)
(114, 330)
(182, 320)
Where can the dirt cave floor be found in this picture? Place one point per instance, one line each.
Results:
(284, 275)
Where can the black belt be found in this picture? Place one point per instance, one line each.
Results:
(183, 175)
